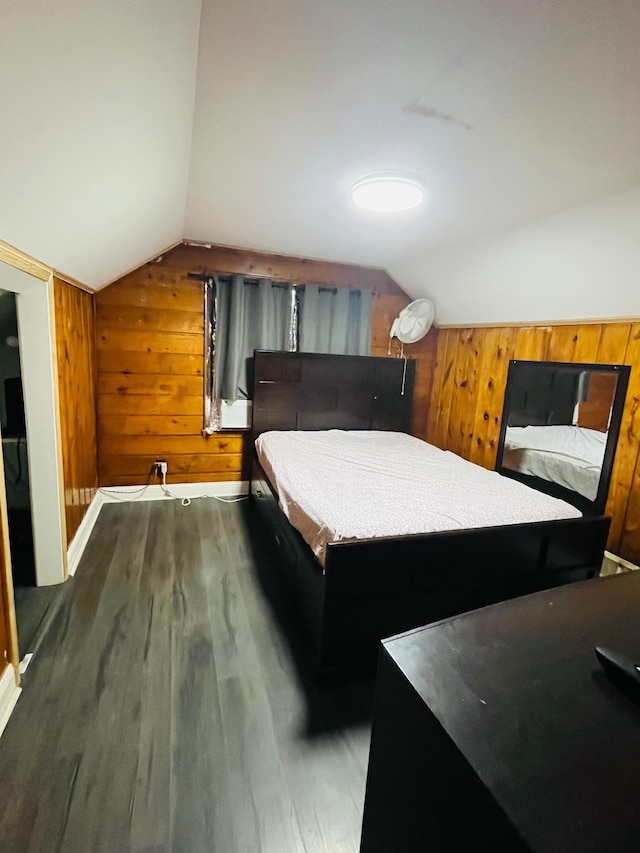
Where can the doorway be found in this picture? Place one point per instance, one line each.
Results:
(28, 412)
(14, 445)
(32, 603)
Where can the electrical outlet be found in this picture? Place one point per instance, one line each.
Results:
(161, 467)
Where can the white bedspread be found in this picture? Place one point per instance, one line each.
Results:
(341, 486)
(570, 456)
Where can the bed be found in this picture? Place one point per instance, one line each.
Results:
(353, 591)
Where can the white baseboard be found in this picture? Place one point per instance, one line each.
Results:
(79, 541)
(227, 489)
(624, 563)
(126, 494)
(9, 695)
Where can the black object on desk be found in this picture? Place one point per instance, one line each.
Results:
(498, 730)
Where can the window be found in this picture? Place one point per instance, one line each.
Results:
(244, 314)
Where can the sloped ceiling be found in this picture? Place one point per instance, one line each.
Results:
(96, 106)
(514, 112)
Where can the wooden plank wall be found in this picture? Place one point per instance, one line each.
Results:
(149, 331)
(468, 391)
(75, 344)
(149, 336)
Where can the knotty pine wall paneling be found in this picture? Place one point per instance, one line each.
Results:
(468, 387)
(150, 340)
(75, 345)
(624, 496)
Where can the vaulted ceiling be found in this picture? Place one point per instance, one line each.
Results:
(128, 126)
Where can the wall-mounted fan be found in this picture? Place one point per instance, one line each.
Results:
(410, 326)
(413, 322)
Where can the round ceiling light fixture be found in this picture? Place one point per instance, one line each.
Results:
(387, 192)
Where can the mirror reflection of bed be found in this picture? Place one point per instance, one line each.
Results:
(560, 428)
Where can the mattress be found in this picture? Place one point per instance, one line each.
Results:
(570, 456)
(337, 486)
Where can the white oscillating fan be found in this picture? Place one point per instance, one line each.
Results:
(410, 326)
(413, 322)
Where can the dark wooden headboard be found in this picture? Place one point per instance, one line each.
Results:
(315, 391)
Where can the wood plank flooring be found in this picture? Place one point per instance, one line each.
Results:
(170, 707)
(35, 607)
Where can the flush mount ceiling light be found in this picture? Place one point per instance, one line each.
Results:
(387, 192)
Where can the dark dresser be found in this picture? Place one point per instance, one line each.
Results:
(498, 730)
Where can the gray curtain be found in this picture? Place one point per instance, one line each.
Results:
(250, 315)
(335, 320)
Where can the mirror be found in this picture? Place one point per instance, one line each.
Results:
(560, 425)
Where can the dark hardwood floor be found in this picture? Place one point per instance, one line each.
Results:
(168, 707)
(35, 606)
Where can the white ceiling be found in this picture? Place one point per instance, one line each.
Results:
(96, 105)
(510, 110)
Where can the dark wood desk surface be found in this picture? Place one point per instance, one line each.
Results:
(513, 696)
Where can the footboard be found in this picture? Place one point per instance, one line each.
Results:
(379, 587)
(375, 588)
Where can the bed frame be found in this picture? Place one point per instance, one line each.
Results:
(376, 588)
